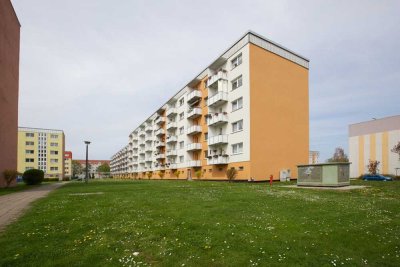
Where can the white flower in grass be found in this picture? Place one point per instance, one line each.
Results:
(135, 253)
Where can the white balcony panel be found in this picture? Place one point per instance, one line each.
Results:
(217, 160)
(194, 113)
(193, 129)
(193, 163)
(193, 146)
(217, 99)
(218, 139)
(215, 120)
(220, 75)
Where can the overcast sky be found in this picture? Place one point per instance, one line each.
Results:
(97, 68)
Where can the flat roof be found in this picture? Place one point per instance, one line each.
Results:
(375, 126)
(32, 129)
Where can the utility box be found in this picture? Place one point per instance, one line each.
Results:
(284, 175)
(324, 174)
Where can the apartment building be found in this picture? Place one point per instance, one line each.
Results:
(68, 164)
(42, 149)
(119, 162)
(247, 110)
(374, 140)
(9, 87)
(93, 165)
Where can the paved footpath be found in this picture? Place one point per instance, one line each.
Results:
(12, 205)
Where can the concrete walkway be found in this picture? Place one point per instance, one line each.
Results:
(12, 205)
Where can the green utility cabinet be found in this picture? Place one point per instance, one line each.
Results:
(324, 174)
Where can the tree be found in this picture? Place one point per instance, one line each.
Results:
(373, 167)
(339, 156)
(231, 174)
(10, 176)
(396, 149)
(76, 168)
(105, 168)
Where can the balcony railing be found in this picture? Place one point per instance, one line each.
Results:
(148, 160)
(218, 139)
(160, 156)
(217, 99)
(171, 112)
(159, 168)
(172, 153)
(171, 125)
(220, 75)
(217, 119)
(142, 133)
(193, 146)
(160, 120)
(218, 159)
(193, 96)
(159, 143)
(172, 166)
(172, 139)
(160, 132)
(193, 163)
(193, 129)
(194, 113)
(149, 128)
(149, 149)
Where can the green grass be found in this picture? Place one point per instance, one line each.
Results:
(180, 223)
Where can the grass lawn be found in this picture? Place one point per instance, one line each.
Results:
(19, 187)
(180, 223)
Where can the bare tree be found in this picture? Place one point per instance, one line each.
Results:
(339, 156)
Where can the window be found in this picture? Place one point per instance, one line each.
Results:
(205, 136)
(236, 83)
(181, 101)
(29, 151)
(181, 116)
(54, 160)
(181, 144)
(181, 159)
(52, 152)
(29, 160)
(236, 61)
(29, 134)
(53, 144)
(237, 104)
(237, 126)
(54, 136)
(237, 148)
(181, 130)
(53, 168)
(29, 143)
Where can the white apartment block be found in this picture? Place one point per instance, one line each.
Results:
(247, 110)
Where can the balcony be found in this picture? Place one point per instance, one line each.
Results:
(218, 139)
(149, 139)
(172, 166)
(217, 99)
(149, 149)
(172, 139)
(160, 156)
(194, 113)
(160, 143)
(159, 168)
(149, 160)
(160, 120)
(160, 132)
(171, 125)
(141, 143)
(195, 129)
(217, 119)
(172, 153)
(193, 96)
(193, 146)
(193, 163)
(142, 133)
(218, 160)
(149, 128)
(141, 152)
(171, 112)
(220, 75)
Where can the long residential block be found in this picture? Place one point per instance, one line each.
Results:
(247, 110)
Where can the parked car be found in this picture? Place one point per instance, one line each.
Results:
(377, 177)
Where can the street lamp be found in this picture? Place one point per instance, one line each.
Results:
(87, 162)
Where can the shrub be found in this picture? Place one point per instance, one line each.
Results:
(33, 176)
(10, 176)
(198, 174)
(161, 174)
(135, 175)
(149, 175)
(177, 173)
(231, 174)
